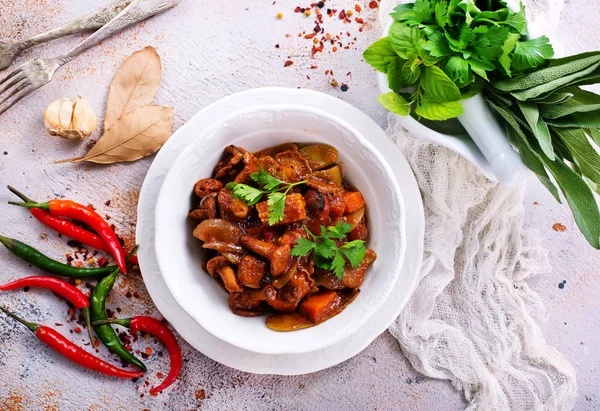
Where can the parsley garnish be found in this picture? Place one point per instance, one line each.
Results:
(275, 189)
(326, 253)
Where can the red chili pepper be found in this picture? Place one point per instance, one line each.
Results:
(163, 334)
(60, 344)
(67, 228)
(76, 211)
(60, 287)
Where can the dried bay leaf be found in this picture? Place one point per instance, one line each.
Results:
(135, 85)
(135, 135)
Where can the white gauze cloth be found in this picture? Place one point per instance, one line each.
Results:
(471, 319)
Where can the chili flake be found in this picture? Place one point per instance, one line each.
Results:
(288, 63)
(373, 4)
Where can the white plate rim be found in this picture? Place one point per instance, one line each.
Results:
(163, 254)
(278, 364)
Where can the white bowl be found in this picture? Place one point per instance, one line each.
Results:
(179, 253)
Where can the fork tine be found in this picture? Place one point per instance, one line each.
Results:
(12, 83)
(14, 73)
(19, 93)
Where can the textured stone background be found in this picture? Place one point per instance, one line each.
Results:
(211, 49)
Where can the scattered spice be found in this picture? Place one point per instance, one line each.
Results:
(279, 16)
(344, 87)
(558, 227)
(288, 63)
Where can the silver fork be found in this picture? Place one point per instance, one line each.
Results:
(90, 22)
(37, 72)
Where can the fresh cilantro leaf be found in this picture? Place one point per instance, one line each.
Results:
(266, 180)
(406, 40)
(248, 194)
(458, 70)
(276, 207)
(422, 11)
(496, 35)
(324, 263)
(440, 10)
(437, 45)
(326, 248)
(438, 86)
(531, 54)
(354, 251)
(488, 46)
(439, 110)
(340, 230)
(395, 103)
(480, 67)
(303, 246)
(337, 265)
(380, 54)
(507, 48)
(518, 21)
(467, 36)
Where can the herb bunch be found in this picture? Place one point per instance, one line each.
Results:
(555, 126)
(275, 190)
(439, 52)
(325, 252)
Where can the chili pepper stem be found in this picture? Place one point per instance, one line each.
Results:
(33, 327)
(20, 195)
(88, 321)
(125, 322)
(41, 206)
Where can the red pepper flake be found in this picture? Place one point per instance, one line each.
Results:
(91, 207)
(136, 294)
(159, 375)
(107, 203)
(297, 9)
(558, 227)
(77, 330)
(128, 295)
(288, 63)
(342, 15)
(317, 28)
(357, 8)
(314, 67)
(359, 20)
(69, 257)
(102, 262)
(310, 36)
(200, 394)
(373, 4)
(78, 264)
(276, 46)
(148, 351)
(58, 324)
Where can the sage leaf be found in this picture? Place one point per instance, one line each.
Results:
(556, 70)
(553, 98)
(538, 127)
(553, 85)
(439, 110)
(594, 135)
(580, 198)
(585, 155)
(581, 101)
(590, 119)
(395, 103)
(438, 86)
(380, 54)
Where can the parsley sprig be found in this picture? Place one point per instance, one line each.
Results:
(275, 189)
(326, 253)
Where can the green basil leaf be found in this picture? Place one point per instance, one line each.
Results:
(380, 54)
(439, 110)
(538, 126)
(395, 78)
(581, 101)
(531, 54)
(406, 40)
(557, 69)
(437, 45)
(438, 86)
(580, 198)
(395, 103)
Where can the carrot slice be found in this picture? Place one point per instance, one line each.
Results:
(319, 305)
(354, 201)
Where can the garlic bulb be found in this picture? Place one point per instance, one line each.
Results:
(70, 119)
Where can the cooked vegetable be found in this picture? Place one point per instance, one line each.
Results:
(274, 201)
(319, 156)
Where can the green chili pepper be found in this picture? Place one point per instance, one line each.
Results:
(34, 257)
(105, 332)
